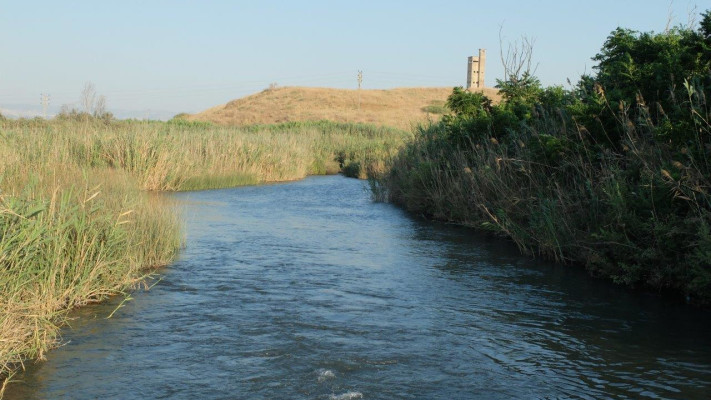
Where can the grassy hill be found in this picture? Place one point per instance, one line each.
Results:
(394, 107)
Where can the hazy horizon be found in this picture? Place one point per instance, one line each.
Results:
(158, 59)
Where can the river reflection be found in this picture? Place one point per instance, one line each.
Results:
(309, 290)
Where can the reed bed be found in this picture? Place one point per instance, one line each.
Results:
(79, 219)
(69, 237)
(182, 155)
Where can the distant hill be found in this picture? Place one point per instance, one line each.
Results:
(393, 107)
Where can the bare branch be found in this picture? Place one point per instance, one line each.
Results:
(518, 58)
(670, 16)
(691, 19)
(88, 98)
(100, 106)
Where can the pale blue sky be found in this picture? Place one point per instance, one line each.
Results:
(173, 56)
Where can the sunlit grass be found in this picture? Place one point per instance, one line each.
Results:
(79, 221)
(68, 238)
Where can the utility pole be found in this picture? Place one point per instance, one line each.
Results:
(44, 101)
(360, 81)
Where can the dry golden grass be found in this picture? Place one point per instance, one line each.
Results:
(400, 108)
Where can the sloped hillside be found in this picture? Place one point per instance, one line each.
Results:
(393, 107)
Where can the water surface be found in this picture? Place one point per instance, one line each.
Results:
(308, 290)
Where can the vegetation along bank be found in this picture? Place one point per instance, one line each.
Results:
(79, 220)
(613, 174)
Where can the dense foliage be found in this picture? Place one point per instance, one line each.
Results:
(613, 174)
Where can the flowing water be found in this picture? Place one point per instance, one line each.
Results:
(308, 290)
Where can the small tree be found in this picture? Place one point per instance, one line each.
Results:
(92, 105)
(518, 59)
(520, 88)
(88, 98)
(100, 107)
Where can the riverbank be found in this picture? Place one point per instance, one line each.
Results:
(613, 175)
(78, 221)
(311, 285)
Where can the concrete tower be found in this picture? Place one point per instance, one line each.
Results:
(476, 67)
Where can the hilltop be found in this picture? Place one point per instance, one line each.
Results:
(392, 107)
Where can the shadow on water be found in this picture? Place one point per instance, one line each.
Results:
(310, 290)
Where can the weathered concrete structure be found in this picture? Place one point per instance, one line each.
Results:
(475, 70)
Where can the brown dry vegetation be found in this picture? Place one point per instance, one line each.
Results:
(400, 108)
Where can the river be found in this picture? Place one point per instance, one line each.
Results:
(309, 290)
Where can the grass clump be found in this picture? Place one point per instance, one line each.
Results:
(614, 174)
(68, 238)
(436, 107)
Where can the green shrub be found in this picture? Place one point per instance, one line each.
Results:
(613, 175)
